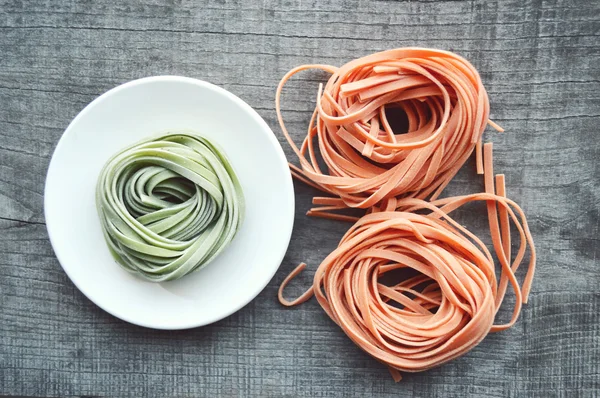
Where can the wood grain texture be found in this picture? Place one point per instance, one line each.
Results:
(540, 63)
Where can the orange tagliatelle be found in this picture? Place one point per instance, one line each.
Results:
(450, 306)
(367, 162)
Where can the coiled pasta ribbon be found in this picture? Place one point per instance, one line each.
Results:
(367, 162)
(422, 321)
(169, 205)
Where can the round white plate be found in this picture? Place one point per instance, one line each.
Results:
(125, 115)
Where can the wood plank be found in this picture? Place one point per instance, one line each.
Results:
(539, 62)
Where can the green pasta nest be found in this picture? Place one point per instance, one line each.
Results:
(169, 205)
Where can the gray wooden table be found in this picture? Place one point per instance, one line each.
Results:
(540, 61)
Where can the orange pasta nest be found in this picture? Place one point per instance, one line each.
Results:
(450, 306)
(422, 321)
(367, 162)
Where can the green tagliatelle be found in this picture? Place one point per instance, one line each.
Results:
(169, 205)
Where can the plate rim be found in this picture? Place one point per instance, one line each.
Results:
(280, 154)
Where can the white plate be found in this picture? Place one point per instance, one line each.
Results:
(125, 115)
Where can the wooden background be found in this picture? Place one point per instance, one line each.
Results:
(540, 61)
